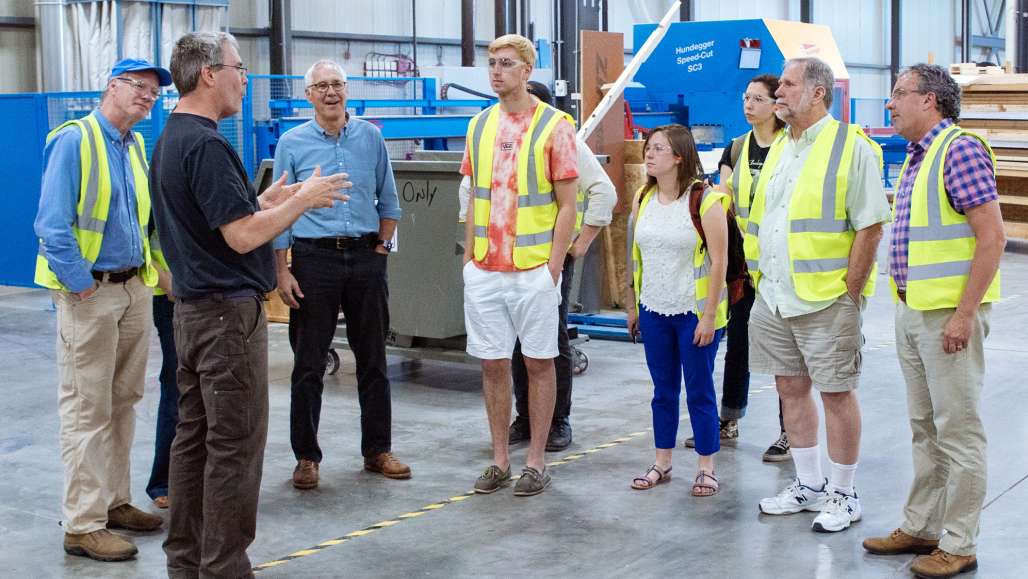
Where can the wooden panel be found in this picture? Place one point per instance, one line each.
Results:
(277, 311)
(1012, 186)
(603, 59)
(1016, 230)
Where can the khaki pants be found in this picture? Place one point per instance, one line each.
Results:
(102, 347)
(943, 392)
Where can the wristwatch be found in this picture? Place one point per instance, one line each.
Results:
(386, 243)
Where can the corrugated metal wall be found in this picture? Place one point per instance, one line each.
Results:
(17, 48)
(861, 29)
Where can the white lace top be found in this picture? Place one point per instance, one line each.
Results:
(667, 240)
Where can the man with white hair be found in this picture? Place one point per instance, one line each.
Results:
(338, 261)
(815, 223)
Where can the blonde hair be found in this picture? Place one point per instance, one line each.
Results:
(520, 44)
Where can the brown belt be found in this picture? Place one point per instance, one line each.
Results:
(902, 295)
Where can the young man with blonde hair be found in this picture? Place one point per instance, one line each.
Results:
(522, 161)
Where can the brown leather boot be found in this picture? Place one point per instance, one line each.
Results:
(898, 543)
(305, 475)
(386, 463)
(101, 545)
(940, 565)
(128, 517)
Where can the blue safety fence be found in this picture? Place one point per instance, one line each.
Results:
(272, 104)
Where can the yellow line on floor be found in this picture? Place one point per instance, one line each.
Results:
(428, 508)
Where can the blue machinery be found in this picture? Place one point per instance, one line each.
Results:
(272, 105)
(695, 77)
(425, 121)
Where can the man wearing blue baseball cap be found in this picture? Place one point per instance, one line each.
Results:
(92, 224)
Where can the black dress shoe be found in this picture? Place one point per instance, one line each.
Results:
(560, 435)
(519, 431)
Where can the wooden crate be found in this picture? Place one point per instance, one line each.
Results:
(276, 310)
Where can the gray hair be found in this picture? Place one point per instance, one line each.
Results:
(932, 78)
(308, 78)
(194, 51)
(816, 72)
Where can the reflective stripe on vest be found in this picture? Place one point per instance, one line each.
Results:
(537, 207)
(95, 199)
(158, 256)
(819, 239)
(941, 242)
(701, 260)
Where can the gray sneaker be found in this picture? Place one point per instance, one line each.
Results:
(492, 479)
(729, 434)
(532, 482)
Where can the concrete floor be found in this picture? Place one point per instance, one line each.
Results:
(589, 523)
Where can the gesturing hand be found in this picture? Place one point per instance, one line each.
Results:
(317, 191)
(278, 192)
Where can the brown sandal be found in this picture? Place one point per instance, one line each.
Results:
(698, 485)
(643, 483)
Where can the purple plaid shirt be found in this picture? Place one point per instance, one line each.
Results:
(969, 181)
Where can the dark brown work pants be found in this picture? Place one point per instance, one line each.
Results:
(217, 456)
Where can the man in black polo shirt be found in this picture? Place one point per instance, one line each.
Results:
(214, 231)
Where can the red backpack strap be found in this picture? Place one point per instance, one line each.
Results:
(695, 198)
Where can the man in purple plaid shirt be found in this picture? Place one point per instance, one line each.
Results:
(947, 240)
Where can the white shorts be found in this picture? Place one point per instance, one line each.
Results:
(501, 307)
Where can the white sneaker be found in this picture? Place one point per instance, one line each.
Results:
(795, 498)
(837, 513)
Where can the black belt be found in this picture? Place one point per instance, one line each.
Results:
(115, 276)
(340, 243)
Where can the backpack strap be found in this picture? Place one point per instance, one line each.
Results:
(695, 198)
(737, 149)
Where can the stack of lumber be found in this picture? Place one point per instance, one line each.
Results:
(968, 68)
(996, 107)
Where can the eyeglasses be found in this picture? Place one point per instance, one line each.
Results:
(140, 86)
(242, 69)
(755, 98)
(322, 87)
(505, 63)
(900, 93)
(656, 148)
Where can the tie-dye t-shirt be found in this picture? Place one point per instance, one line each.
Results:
(562, 157)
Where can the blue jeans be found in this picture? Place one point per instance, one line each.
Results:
(167, 409)
(670, 353)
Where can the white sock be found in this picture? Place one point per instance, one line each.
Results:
(842, 477)
(808, 466)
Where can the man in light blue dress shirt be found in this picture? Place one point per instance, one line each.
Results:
(338, 261)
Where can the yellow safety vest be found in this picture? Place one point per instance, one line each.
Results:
(742, 184)
(820, 236)
(95, 199)
(700, 260)
(942, 243)
(537, 207)
(158, 256)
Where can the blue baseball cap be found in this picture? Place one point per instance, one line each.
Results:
(138, 65)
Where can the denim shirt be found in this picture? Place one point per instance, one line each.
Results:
(122, 247)
(357, 150)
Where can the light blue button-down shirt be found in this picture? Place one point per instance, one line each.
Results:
(359, 151)
(122, 247)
